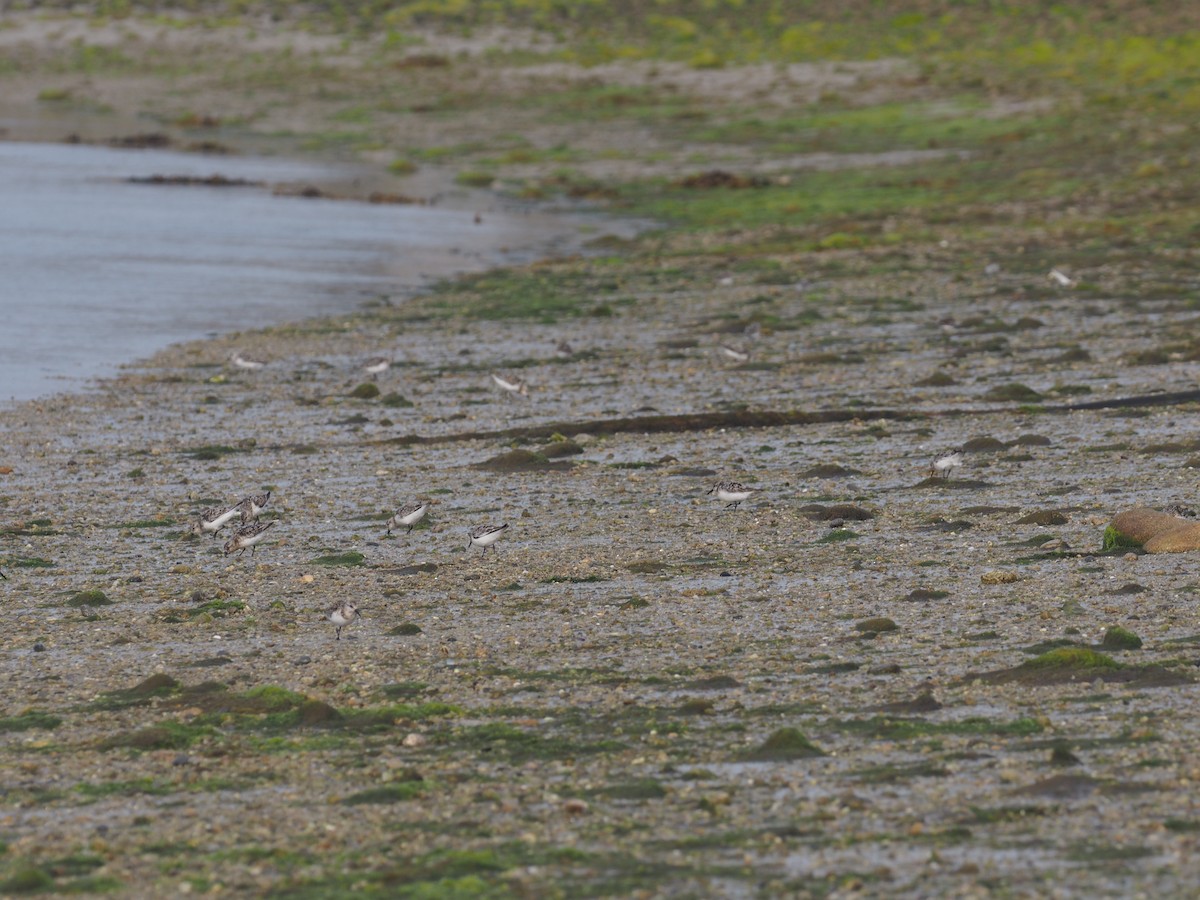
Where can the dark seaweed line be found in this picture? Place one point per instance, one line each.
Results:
(770, 419)
(661, 424)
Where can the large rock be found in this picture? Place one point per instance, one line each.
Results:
(1176, 540)
(1158, 532)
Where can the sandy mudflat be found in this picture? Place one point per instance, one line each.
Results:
(611, 702)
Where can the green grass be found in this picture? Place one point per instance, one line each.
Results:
(28, 720)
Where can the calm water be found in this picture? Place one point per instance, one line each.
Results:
(95, 271)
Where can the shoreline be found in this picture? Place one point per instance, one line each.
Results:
(508, 234)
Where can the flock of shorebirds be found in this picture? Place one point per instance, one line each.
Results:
(251, 531)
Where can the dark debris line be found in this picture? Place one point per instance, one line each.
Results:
(769, 419)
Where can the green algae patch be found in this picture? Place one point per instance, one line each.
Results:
(365, 391)
(28, 562)
(396, 401)
(164, 736)
(903, 728)
(642, 789)
(785, 744)
(213, 451)
(271, 698)
(352, 558)
(404, 689)
(28, 880)
(1083, 664)
(28, 720)
(1118, 638)
(89, 598)
(890, 774)
(646, 566)
(1115, 540)
(388, 793)
(1013, 393)
(876, 625)
(1075, 658)
(141, 694)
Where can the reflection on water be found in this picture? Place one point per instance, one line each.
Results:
(98, 271)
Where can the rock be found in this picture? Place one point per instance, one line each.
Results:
(997, 576)
(1141, 524)
(1176, 540)
(877, 625)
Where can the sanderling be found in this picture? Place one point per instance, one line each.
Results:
(342, 615)
(1060, 279)
(511, 385)
(731, 493)
(485, 535)
(213, 520)
(376, 366)
(409, 514)
(941, 466)
(247, 536)
(245, 362)
(251, 507)
(563, 350)
(733, 353)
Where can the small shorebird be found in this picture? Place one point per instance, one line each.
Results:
(245, 362)
(409, 514)
(213, 520)
(342, 615)
(1060, 279)
(563, 350)
(251, 507)
(733, 353)
(947, 461)
(376, 366)
(485, 535)
(731, 493)
(247, 536)
(2, 575)
(511, 385)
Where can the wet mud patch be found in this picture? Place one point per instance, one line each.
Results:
(523, 461)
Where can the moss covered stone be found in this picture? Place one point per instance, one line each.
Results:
(365, 391)
(90, 598)
(876, 625)
(1118, 638)
(783, 745)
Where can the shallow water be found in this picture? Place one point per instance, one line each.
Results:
(98, 271)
